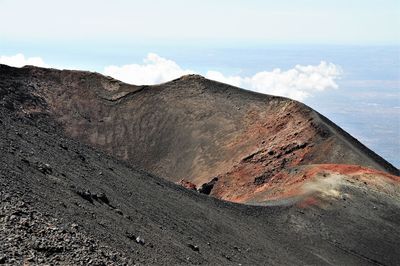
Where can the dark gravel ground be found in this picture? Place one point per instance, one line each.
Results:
(64, 203)
(32, 237)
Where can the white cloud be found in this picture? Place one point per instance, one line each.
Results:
(19, 60)
(297, 83)
(154, 70)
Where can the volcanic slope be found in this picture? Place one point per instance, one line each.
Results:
(193, 130)
(63, 202)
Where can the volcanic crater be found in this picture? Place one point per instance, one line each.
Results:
(238, 146)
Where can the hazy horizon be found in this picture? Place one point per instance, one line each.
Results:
(286, 21)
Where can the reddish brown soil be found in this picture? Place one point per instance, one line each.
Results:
(236, 186)
(187, 184)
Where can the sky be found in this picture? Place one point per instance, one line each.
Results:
(283, 21)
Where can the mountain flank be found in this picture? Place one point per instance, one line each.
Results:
(89, 167)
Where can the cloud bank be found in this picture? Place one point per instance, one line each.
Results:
(297, 83)
(19, 60)
(154, 69)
